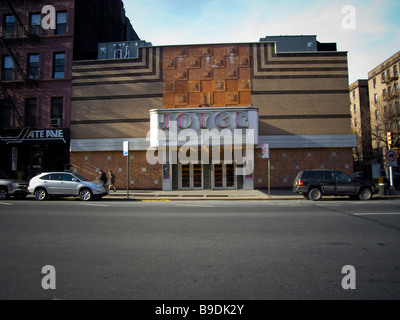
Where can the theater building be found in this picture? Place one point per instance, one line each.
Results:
(197, 116)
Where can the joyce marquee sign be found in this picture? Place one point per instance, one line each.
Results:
(203, 126)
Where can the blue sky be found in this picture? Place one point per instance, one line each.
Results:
(375, 38)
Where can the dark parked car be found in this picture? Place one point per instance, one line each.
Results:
(12, 187)
(313, 184)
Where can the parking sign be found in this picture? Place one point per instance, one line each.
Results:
(126, 148)
(391, 158)
(265, 151)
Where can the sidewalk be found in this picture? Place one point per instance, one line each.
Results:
(182, 195)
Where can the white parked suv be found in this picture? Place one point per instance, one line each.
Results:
(63, 184)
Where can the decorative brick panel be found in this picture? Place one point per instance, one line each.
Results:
(206, 70)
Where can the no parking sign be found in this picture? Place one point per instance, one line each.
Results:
(391, 158)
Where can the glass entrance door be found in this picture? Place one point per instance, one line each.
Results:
(185, 177)
(197, 176)
(230, 176)
(224, 176)
(191, 176)
(218, 176)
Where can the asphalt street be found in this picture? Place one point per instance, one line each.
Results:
(196, 250)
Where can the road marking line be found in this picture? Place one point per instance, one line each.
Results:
(6, 204)
(95, 205)
(375, 213)
(193, 205)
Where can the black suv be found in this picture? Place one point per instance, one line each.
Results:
(313, 184)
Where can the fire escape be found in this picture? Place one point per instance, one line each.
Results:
(8, 34)
(391, 98)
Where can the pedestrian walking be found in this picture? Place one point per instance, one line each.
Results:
(102, 177)
(111, 181)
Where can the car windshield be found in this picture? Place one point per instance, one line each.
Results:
(81, 178)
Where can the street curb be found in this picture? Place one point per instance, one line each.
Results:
(205, 198)
(186, 198)
(157, 197)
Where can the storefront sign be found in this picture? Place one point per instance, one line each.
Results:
(38, 136)
(45, 134)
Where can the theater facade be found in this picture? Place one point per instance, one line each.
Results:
(197, 116)
(210, 148)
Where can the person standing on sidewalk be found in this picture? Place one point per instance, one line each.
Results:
(111, 181)
(102, 178)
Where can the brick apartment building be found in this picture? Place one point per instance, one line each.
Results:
(295, 87)
(383, 84)
(374, 104)
(361, 126)
(36, 76)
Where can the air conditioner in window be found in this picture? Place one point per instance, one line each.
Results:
(56, 122)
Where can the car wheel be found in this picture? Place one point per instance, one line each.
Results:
(3, 194)
(85, 195)
(365, 194)
(315, 194)
(40, 194)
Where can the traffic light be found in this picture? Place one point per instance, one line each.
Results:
(389, 139)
